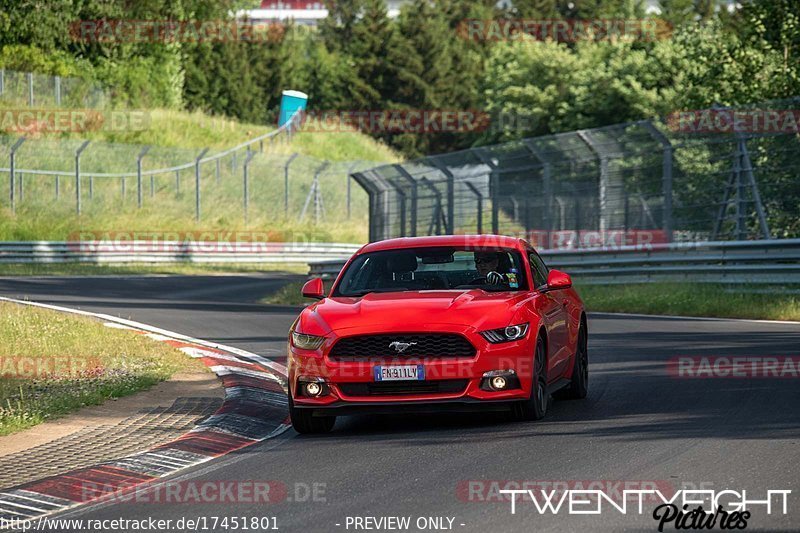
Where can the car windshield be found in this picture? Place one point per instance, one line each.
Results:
(422, 269)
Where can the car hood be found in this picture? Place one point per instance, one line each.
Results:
(414, 311)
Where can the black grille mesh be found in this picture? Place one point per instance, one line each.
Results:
(388, 388)
(427, 345)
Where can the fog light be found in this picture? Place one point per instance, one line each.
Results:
(313, 387)
(499, 380)
(498, 383)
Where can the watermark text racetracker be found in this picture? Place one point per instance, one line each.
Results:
(734, 367)
(31, 121)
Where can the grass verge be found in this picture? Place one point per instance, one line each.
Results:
(684, 299)
(695, 299)
(289, 294)
(54, 363)
(139, 269)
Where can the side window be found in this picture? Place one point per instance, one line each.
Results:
(538, 270)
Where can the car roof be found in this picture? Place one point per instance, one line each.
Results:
(466, 241)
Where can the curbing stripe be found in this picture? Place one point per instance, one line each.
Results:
(253, 410)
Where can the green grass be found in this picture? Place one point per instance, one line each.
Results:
(694, 299)
(136, 269)
(699, 299)
(177, 138)
(289, 294)
(52, 364)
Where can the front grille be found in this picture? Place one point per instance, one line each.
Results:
(388, 388)
(421, 345)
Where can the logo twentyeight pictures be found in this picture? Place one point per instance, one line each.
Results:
(685, 509)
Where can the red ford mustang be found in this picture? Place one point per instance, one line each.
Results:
(435, 323)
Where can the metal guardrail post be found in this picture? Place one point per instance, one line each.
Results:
(479, 197)
(12, 171)
(78, 153)
(2, 81)
(58, 186)
(246, 199)
(217, 169)
(177, 182)
(58, 90)
(139, 176)
(414, 196)
(286, 184)
(30, 89)
(197, 184)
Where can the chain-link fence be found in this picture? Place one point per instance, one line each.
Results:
(714, 174)
(41, 90)
(258, 181)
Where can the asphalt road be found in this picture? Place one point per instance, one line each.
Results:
(639, 424)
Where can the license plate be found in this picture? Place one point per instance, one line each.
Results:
(400, 373)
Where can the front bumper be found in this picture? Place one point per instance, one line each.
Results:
(461, 377)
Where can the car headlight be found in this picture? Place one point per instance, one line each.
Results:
(306, 342)
(506, 334)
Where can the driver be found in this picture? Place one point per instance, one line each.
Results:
(486, 262)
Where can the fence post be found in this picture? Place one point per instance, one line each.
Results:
(451, 216)
(479, 196)
(408, 177)
(286, 184)
(547, 185)
(177, 182)
(30, 89)
(78, 153)
(58, 186)
(349, 179)
(494, 189)
(197, 184)
(139, 176)
(666, 176)
(58, 90)
(217, 170)
(314, 193)
(12, 170)
(246, 199)
(604, 183)
(2, 81)
(436, 220)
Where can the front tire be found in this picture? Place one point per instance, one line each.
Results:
(535, 408)
(304, 423)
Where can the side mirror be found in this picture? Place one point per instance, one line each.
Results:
(313, 288)
(558, 280)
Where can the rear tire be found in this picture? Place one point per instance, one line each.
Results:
(303, 422)
(535, 408)
(579, 385)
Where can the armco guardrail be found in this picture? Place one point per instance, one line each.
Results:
(767, 261)
(172, 252)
